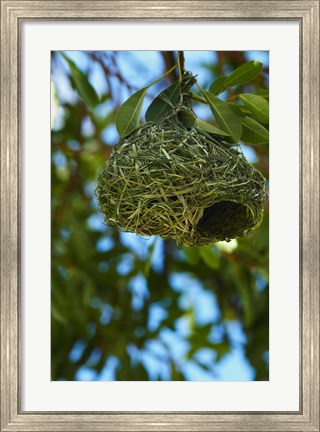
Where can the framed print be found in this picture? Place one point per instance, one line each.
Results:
(137, 304)
(168, 268)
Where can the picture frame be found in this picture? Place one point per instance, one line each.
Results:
(13, 13)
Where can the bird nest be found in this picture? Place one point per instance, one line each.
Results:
(176, 182)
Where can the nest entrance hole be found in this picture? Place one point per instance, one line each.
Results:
(225, 217)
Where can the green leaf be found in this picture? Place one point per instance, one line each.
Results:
(244, 73)
(209, 256)
(207, 127)
(221, 349)
(163, 102)
(191, 254)
(227, 119)
(217, 86)
(129, 114)
(83, 87)
(253, 132)
(57, 316)
(187, 118)
(147, 263)
(257, 105)
(102, 122)
(237, 109)
(263, 92)
(105, 97)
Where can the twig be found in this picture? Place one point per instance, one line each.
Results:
(181, 64)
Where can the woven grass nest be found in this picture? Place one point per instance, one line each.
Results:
(176, 182)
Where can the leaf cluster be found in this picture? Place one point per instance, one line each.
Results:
(243, 117)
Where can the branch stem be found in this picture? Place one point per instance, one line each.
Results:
(198, 98)
(181, 65)
(162, 76)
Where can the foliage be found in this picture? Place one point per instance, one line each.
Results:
(126, 308)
